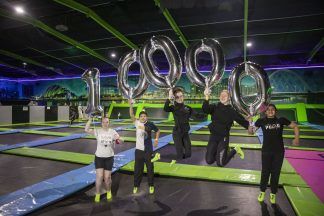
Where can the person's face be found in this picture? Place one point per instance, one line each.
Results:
(224, 97)
(271, 112)
(179, 97)
(105, 123)
(143, 118)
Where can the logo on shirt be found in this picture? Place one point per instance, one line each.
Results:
(105, 140)
(272, 126)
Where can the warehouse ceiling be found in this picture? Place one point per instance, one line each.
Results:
(62, 38)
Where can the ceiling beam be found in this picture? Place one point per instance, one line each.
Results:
(44, 53)
(246, 10)
(94, 16)
(51, 31)
(27, 60)
(18, 68)
(313, 52)
(172, 22)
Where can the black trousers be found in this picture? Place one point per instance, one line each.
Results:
(271, 165)
(182, 144)
(142, 157)
(218, 150)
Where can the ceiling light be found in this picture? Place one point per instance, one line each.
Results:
(249, 44)
(113, 55)
(19, 10)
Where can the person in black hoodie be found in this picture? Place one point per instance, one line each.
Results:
(182, 114)
(273, 150)
(222, 116)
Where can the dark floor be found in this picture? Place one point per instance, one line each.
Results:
(17, 172)
(172, 197)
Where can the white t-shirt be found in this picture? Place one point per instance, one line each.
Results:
(105, 142)
(140, 135)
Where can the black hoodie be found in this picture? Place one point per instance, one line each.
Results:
(222, 117)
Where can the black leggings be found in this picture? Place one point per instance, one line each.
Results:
(271, 164)
(218, 150)
(142, 157)
(182, 144)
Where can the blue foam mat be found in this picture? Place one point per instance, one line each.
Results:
(31, 198)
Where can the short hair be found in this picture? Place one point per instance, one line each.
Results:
(176, 90)
(143, 112)
(272, 105)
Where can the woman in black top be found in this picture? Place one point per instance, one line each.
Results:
(272, 149)
(181, 114)
(222, 115)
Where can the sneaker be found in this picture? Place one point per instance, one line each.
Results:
(151, 190)
(273, 198)
(239, 151)
(97, 198)
(109, 196)
(156, 157)
(261, 197)
(173, 162)
(135, 190)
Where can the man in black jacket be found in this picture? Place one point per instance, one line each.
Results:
(222, 115)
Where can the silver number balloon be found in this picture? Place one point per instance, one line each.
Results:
(151, 72)
(92, 77)
(262, 84)
(122, 77)
(215, 50)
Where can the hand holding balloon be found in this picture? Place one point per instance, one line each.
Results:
(171, 96)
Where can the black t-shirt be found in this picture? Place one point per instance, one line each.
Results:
(149, 127)
(272, 133)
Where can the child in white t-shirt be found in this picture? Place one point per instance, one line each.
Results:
(144, 149)
(104, 155)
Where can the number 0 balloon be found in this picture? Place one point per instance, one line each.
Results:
(150, 70)
(218, 62)
(262, 83)
(122, 77)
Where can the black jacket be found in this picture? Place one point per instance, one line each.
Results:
(181, 114)
(222, 117)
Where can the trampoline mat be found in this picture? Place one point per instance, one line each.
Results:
(172, 197)
(15, 138)
(86, 146)
(232, 139)
(18, 172)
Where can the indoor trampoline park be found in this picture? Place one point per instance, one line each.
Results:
(162, 107)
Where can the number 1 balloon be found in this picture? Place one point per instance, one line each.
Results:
(92, 77)
(262, 84)
(151, 71)
(213, 47)
(122, 77)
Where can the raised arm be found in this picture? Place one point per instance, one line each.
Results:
(294, 126)
(131, 112)
(87, 128)
(167, 107)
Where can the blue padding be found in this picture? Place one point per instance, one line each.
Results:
(44, 193)
(42, 142)
(10, 131)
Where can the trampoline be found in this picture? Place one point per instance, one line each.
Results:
(18, 172)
